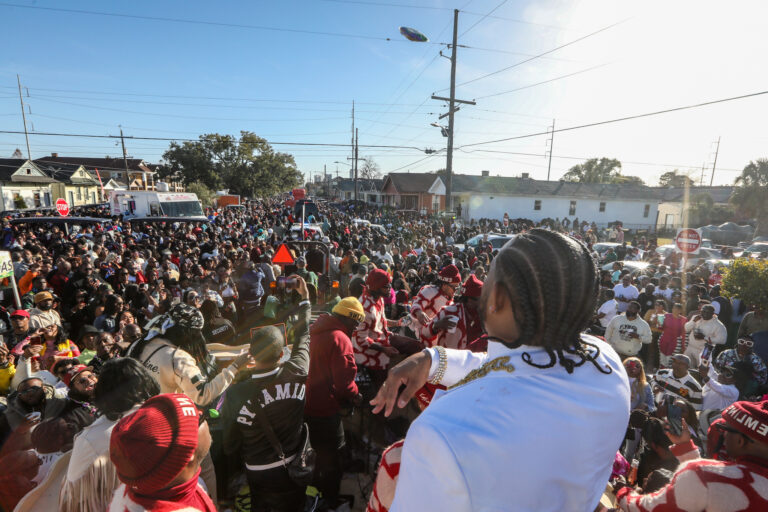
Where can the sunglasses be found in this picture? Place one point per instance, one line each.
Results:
(747, 343)
(30, 390)
(727, 428)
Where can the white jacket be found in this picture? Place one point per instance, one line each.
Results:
(712, 328)
(618, 331)
(525, 439)
(176, 371)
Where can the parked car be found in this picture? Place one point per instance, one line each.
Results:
(635, 267)
(497, 241)
(754, 250)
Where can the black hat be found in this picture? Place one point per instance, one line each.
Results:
(88, 329)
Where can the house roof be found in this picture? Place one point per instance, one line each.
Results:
(8, 166)
(366, 185)
(720, 194)
(410, 182)
(103, 164)
(65, 172)
(514, 186)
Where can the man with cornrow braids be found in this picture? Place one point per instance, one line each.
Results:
(541, 383)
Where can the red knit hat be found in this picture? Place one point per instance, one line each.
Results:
(151, 446)
(73, 372)
(473, 287)
(749, 418)
(450, 274)
(377, 279)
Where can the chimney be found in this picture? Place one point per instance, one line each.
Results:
(525, 176)
(54, 155)
(485, 173)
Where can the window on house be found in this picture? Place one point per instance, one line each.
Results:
(572, 208)
(646, 210)
(537, 204)
(602, 207)
(29, 171)
(79, 194)
(36, 198)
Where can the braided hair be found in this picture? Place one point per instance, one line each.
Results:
(552, 283)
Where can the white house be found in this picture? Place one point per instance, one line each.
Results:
(477, 197)
(22, 182)
(673, 202)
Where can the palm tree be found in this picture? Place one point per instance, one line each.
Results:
(751, 197)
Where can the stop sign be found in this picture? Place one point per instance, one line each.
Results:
(62, 207)
(688, 240)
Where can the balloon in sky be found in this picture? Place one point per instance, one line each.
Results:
(412, 34)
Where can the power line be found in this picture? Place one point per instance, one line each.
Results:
(224, 98)
(540, 54)
(544, 82)
(179, 139)
(203, 22)
(483, 18)
(627, 118)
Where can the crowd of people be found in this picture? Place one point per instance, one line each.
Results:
(173, 366)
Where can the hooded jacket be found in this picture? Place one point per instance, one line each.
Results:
(53, 407)
(332, 368)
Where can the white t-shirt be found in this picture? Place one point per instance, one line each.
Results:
(611, 309)
(666, 293)
(629, 293)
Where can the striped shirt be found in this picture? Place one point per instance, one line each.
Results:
(686, 387)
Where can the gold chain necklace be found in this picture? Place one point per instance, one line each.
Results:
(496, 365)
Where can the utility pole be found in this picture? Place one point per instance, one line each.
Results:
(451, 111)
(353, 138)
(24, 118)
(125, 160)
(551, 147)
(712, 178)
(701, 181)
(357, 140)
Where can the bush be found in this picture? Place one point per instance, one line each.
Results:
(747, 279)
(19, 203)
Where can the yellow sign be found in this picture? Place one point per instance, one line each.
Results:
(6, 265)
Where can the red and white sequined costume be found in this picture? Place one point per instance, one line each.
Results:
(386, 479)
(430, 300)
(705, 485)
(371, 330)
(468, 328)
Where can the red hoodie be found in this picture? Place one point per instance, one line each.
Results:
(332, 368)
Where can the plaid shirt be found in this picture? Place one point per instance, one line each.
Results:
(373, 329)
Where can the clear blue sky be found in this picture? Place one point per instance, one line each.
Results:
(89, 73)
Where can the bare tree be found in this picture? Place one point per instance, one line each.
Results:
(368, 169)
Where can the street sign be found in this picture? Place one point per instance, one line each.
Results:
(282, 256)
(6, 265)
(688, 240)
(62, 207)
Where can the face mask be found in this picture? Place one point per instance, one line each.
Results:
(45, 306)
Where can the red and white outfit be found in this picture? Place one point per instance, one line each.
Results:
(386, 479)
(431, 300)
(713, 485)
(373, 329)
(468, 328)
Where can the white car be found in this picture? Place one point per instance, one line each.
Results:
(315, 229)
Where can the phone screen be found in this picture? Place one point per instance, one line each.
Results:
(706, 352)
(675, 417)
(36, 340)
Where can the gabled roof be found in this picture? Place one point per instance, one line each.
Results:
(720, 194)
(103, 164)
(366, 185)
(65, 172)
(9, 166)
(410, 182)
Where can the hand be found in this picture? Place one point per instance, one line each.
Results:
(697, 318)
(421, 317)
(357, 401)
(634, 335)
(301, 286)
(3, 353)
(683, 438)
(31, 351)
(242, 360)
(412, 372)
(444, 324)
(390, 351)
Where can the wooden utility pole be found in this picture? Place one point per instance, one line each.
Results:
(712, 178)
(24, 118)
(451, 111)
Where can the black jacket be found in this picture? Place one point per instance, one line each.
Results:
(281, 393)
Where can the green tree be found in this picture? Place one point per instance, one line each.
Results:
(248, 166)
(748, 280)
(203, 193)
(675, 179)
(627, 180)
(751, 195)
(594, 170)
